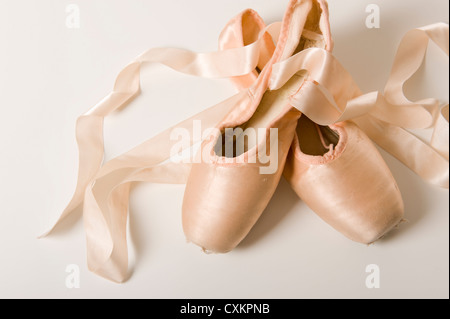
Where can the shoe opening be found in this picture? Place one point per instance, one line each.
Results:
(241, 139)
(314, 139)
(312, 36)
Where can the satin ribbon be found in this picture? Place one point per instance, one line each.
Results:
(330, 95)
(104, 190)
(89, 127)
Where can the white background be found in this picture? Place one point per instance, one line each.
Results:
(49, 75)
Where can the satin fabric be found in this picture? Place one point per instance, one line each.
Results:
(386, 117)
(336, 185)
(351, 188)
(224, 200)
(217, 213)
(243, 30)
(103, 189)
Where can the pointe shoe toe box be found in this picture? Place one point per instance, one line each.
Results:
(222, 203)
(353, 191)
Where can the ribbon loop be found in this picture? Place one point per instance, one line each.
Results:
(330, 95)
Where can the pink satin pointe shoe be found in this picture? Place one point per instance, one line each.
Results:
(226, 195)
(362, 211)
(341, 176)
